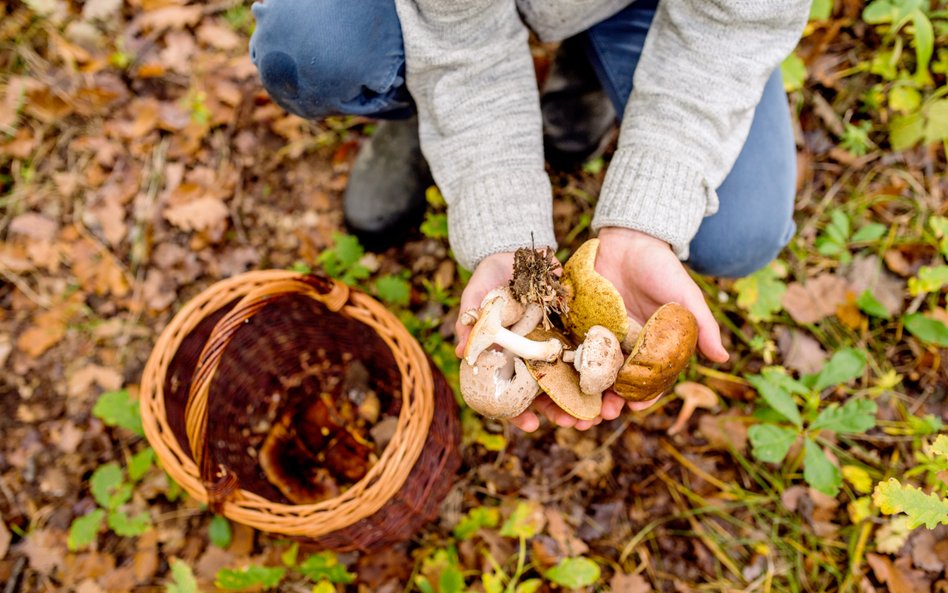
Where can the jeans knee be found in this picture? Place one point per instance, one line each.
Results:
(326, 58)
(741, 251)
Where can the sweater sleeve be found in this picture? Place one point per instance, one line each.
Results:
(470, 72)
(702, 72)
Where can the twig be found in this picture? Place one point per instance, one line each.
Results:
(25, 288)
(13, 585)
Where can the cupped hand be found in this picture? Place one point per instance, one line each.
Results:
(646, 273)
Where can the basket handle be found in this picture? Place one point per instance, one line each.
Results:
(220, 482)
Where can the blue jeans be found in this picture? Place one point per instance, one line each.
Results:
(343, 57)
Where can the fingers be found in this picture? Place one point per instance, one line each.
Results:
(611, 405)
(639, 406)
(527, 422)
(709, 332)
(556, 415)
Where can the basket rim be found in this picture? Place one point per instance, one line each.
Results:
(360, 500)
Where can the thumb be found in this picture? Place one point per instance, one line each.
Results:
(709, 332)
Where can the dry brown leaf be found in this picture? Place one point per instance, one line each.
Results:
(219, 36)
(34, 226)
(898, 575)
(100, 9)
(21, 146)
(45, 549)
(145, 561)
(564, 535)
(46, 329)
(80, 383)
(97, 270)
(923, 552)
(109, 216)
(198, 215)
(158, 290)
(171, 17)
(793, 496)
(629, 583)
(815, 300)
(799, 350)
(898, 263)
(724, 431)
(868, 273)
(179, 52)
(849, 313)
(5, 538)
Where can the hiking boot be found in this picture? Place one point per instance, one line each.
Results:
(385, 197)
(577, 113)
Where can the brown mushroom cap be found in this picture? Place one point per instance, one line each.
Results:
(598, 360)
(664, 347)
(560, 381)
(498, 385)
(593, 299)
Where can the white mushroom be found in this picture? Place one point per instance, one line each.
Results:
(598, 360)
(532, 316)
(498, 385)
(489, 330)
(512, 308)
(696, 396)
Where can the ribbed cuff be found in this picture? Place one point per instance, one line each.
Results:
(498, 213)
(655, 194)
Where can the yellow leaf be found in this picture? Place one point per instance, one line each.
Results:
(858, 477)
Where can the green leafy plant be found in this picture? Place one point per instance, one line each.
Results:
(118, 408)
(182, 578)
(322, 569)
(760, 293)
(342, 260)
(928, 509)
(783, 422)
(112, 489)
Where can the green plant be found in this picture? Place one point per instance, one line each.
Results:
(342, 260)
(322, 569)
(931, 509)
(783, 422)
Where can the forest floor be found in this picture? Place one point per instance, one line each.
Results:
(141, 161)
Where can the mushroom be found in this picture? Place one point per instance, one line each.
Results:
(598, 360)
(628, 342)
(532, 316)
(593, 300)
(497, 385)
(560, 381)
(663, 348)
(512, 308)
(696, 396)
(489, 330)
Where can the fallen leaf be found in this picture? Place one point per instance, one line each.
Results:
(629, 583)
(800, 351)
(898, 263)
(145, 561)
(110, 218)
(158, 290)
(46, 330)
(100, 9)
(81, 382)
(45, 549)
(564, 535)
(898, 575)
(219, 36)
(34, 226)
(867, 273)
(724, 431)
(197, 215)
(5, 538)
(816, 299)
(892, 536)
(171, 17)
(923, 552)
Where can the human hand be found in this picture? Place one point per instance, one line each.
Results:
(493, 271)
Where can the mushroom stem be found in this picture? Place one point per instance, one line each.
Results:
(570, 355)
(687, 410)
(529, 349)
(530, 320)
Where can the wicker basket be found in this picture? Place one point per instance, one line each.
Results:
(206, 384)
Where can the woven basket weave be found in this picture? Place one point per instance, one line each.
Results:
(206, 383)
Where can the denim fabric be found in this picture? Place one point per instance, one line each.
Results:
(330, 57)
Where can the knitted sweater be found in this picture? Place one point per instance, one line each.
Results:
(699, 79)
